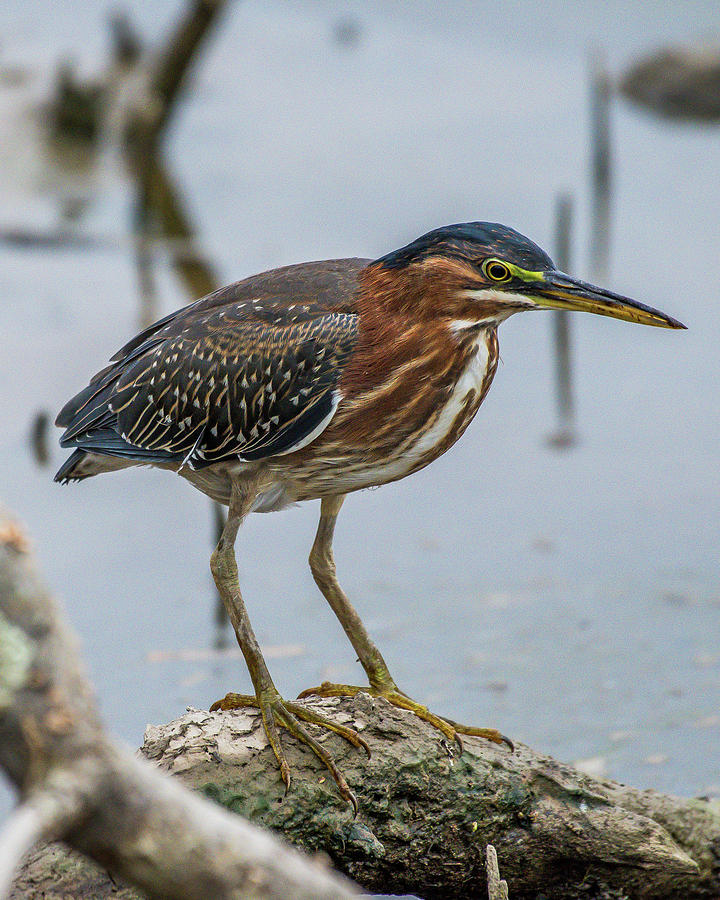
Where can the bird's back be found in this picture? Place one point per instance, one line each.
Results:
(249, 370)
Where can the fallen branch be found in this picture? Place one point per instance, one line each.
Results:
(425, 815)
(77, 785)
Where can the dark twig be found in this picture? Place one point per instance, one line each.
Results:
(601, 166)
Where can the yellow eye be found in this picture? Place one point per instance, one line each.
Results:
(496, 270)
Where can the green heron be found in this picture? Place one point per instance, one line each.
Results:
(312, 381)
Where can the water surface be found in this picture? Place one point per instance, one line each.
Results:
(571, 600)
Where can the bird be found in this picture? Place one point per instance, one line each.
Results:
(313, 381)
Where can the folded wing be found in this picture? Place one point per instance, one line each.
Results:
(234, 375)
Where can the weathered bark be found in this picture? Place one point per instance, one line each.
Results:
(79, 786)
(426, 817)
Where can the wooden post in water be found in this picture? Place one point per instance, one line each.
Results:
(39, 437)
(601, 167)
(600, 193)
(565, 435)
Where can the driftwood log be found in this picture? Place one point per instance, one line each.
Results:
(426, 816)
(427, 813)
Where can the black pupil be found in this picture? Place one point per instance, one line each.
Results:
(498, 272)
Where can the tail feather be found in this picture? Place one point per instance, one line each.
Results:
(82, 464)
(64, 474)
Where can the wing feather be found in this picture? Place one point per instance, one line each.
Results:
(241, 374)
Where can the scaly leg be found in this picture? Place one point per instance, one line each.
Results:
(274, 710)
(382, 684)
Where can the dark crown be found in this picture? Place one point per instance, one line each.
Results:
(472, 240)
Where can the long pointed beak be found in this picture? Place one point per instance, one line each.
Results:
(560, 291)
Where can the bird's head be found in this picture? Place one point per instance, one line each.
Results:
(484, 272)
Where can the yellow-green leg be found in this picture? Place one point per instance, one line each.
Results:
(382, 684)
(274, 710)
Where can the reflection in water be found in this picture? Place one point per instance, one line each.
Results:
(149, 309)
(601, 93)
(159, 210)
(160, 214)
(132, 105)
(75, 111)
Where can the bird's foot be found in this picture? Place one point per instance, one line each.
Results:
(276, 711)
(452, 731)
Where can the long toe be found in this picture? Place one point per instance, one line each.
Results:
(422, 712)
(275, 711)
(291, 724)
(309, 715)
(329, 689)
(451, 731)
(490, 734)
(235, 701)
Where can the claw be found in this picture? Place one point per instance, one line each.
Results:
(353, 802)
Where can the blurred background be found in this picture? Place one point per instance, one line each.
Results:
(555, 574)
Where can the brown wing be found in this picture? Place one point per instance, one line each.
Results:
(249, 371)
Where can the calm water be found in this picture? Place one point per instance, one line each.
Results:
(571, 600)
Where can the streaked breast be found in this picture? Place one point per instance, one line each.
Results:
(405, 422)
